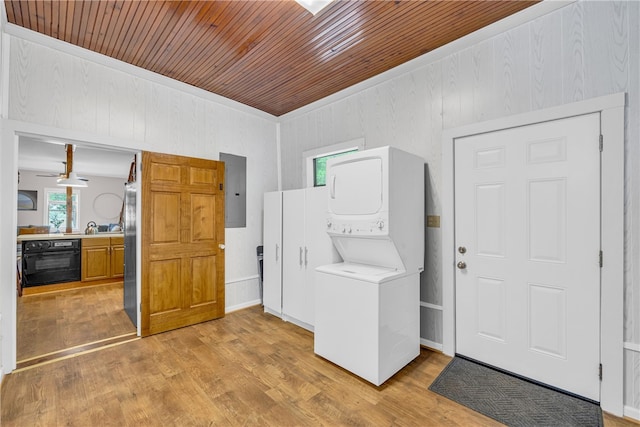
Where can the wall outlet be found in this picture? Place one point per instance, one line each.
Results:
(433, 221)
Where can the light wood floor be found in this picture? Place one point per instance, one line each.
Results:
(248, 368)
(55, 321)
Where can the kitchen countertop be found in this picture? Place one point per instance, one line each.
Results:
(58, 236)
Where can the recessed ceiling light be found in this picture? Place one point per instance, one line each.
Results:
(314, 6)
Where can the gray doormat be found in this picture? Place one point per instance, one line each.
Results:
(511, 400)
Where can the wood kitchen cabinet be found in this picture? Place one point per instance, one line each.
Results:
(102, 258)
(117, 257)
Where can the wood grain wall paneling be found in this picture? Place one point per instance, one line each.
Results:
(632, 379)
(512, 68)
(606, 41)
(84, 94)
(450, 92)
(546, 61)
(483, 83)
(573, 52)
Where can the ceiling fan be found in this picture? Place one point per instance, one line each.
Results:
(69, 178)
(62, 175)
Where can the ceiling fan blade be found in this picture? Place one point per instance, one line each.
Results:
(51, 175)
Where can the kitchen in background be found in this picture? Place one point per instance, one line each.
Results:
(100, 201)
(61, 270)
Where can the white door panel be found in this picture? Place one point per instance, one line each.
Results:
(527, 206)
(272, 252)
(293, 243)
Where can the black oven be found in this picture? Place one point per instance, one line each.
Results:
(50, 261)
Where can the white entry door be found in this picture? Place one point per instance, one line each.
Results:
(527, 231)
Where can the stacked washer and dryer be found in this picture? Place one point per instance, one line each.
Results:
(367, 308)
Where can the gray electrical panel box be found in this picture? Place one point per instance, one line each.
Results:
(235, 185)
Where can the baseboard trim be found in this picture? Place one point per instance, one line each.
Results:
(632, 346)
(631, 412)
(431, 344)
(68, 286)
(297, 322)
(242, 306)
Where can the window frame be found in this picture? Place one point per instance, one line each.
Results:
(308, 157)
(60, 190)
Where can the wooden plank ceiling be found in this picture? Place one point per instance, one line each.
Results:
(271, 55)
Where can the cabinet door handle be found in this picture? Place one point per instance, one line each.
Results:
(306, 253)
(277, 250)
(300, 256)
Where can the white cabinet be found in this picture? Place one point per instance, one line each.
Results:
(272, 254)
(303, 245)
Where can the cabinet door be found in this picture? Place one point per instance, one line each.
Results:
(293, 268)
(272, 253)
(117, 261)
(318, 247)
(96, 263)
(117, 257)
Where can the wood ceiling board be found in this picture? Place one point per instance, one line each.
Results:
(271, 55)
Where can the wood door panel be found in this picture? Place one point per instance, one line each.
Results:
(164, 295)
(165, 173)
(203, 210)
(166, 217)
(203, 280)
(199, 176)
(182, 241)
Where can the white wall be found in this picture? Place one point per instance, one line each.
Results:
(57, 88)
(581, 51)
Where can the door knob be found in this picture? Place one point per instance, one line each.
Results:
(462, 265)
(462, 250)
(221, 246)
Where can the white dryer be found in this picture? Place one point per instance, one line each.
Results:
(368, 307)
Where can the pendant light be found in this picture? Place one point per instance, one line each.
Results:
(72, 179)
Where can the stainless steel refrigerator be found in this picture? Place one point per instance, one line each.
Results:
(130, 230)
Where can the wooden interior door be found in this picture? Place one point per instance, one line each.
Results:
(182, 241)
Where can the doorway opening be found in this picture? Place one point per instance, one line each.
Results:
(56, 320)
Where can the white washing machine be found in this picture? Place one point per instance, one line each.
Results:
(367, 318)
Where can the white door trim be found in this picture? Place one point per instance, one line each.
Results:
(611, 108)
(10, 130)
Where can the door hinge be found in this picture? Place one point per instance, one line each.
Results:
(600, 259)
(600, 372)
(220, 186)
(601, 143)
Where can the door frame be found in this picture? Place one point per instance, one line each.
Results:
(10, 131)
(612, 111)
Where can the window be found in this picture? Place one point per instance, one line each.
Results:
(320, 167)
(314, 162)
(56, 208)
